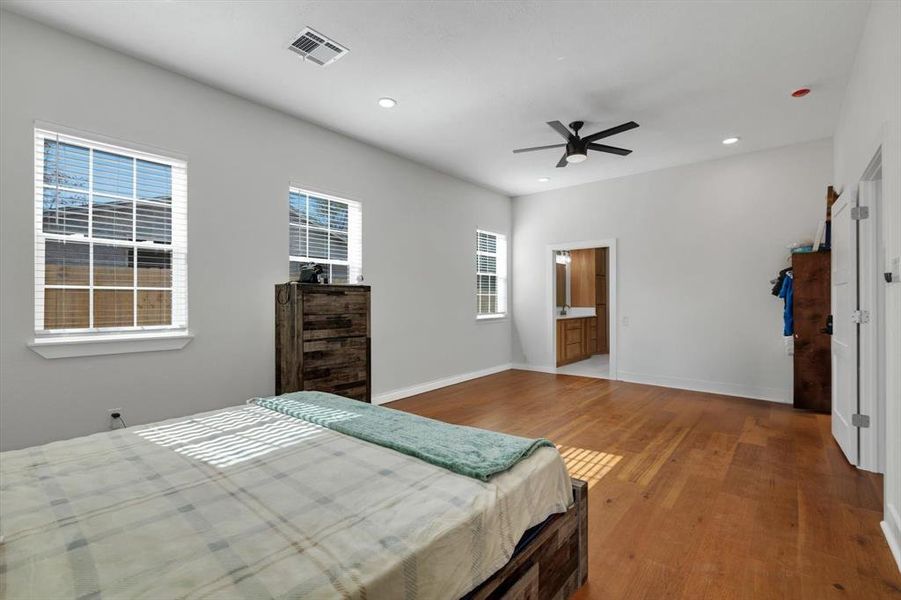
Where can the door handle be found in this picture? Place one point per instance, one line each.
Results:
(828, 328)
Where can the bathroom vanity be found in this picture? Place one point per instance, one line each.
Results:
(576, 338)
(581, 304)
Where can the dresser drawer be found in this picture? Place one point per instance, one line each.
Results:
(336, 380)
(324, 326)
(337, 352)
(335, 302)
(360, 392)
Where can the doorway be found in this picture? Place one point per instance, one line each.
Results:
(858, 308)
(582, 308)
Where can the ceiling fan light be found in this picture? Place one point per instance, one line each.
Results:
(575, 157)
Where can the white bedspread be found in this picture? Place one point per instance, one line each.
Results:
(248, 503)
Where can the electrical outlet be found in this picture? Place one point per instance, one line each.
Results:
(626, 321)
(115, 416)
(894, 276)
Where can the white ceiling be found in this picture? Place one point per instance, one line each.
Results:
(476, 79)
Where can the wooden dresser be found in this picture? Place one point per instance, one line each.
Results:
(322, 339)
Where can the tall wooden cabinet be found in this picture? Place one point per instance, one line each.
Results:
(600, 301)
(810, 311)
(589, 289)
(582, 289)
(322, 339)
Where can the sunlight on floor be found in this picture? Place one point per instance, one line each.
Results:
(214, 439)
(588, 465)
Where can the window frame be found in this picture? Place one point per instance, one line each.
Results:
(121, 336)
(354, 260)
(500, 276)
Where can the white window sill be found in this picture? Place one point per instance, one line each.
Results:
(491, 318)
(98, 345)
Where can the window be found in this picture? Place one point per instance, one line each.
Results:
(491, 275)
(110, 240)
(325, 230)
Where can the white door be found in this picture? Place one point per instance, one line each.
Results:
(844, 328)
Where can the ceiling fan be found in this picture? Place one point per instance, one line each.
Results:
(577, 148)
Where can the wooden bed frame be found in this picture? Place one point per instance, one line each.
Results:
(551, 566)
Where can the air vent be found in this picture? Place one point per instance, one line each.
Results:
(315, 47)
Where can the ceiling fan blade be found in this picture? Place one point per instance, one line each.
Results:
(562, 162)
(560, 128)
(612, 131)
(518, 150)
(609, 149)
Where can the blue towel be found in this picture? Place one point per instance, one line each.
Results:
(787, 293)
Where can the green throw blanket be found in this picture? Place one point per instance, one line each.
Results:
(476, 453)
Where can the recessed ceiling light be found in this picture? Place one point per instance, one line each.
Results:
(544, 179)
(730, 140)
(387, 102)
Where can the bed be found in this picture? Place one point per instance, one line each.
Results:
(246, 502)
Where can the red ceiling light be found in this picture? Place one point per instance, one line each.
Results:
(800, 92)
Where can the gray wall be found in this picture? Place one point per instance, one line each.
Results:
(418, 242)
(871, 118)
(696, 247)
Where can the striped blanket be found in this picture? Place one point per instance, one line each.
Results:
(249, 503)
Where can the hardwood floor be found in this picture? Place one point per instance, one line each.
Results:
(695, 495)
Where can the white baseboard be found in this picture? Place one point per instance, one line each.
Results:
(539, 368)
(695, 385)
(891, 527)
(712, 387)
(435, 384)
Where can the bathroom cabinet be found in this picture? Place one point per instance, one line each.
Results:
(589, 289)
(576, 339)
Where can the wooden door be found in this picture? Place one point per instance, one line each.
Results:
(581, 275)
(844, 330)
(601, 302)
(574, 349)
(561, 334)
(812, 372)
(591, 336)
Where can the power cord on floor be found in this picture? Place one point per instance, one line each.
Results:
(117, 416)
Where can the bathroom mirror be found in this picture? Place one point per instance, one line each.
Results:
(562, 262)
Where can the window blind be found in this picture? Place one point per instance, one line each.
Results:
(491, 274)
(110, 238)
(326, 230)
